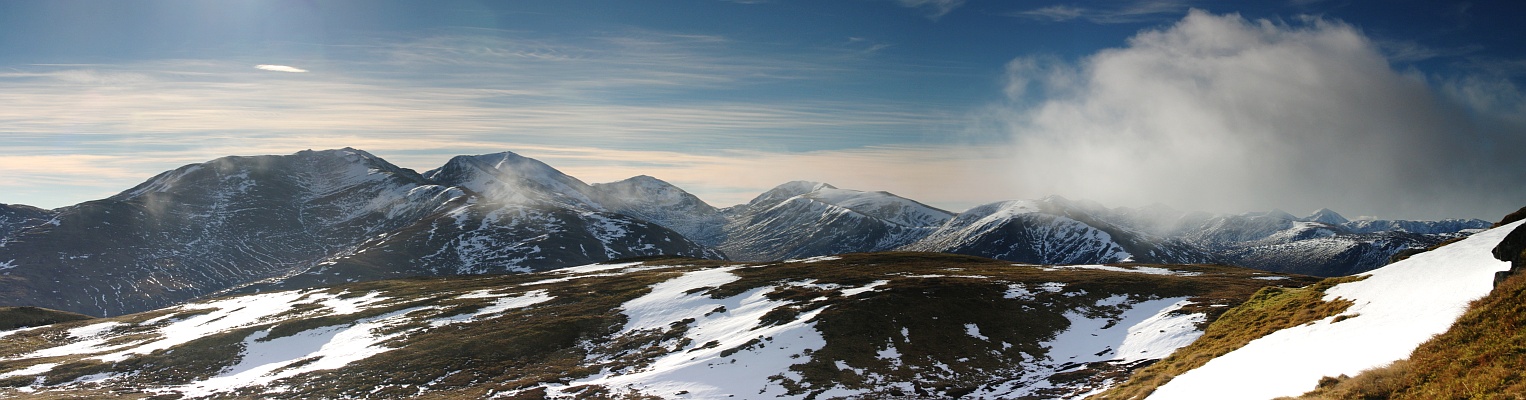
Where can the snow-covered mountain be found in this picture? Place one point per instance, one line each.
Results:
(806, 219)
(206, 227)
(1324, 243)
(320, 217)
(1048, 231)
(313, 217)
(495, 238)
(879, 325)
(659, 202)
(514, 179)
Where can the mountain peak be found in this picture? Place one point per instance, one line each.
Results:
(510, 177)
(803, 187)
(1327, 216)
(788, 190)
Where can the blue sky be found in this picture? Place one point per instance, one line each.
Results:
(1395, 109)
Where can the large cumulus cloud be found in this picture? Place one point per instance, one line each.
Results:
(1221, 113)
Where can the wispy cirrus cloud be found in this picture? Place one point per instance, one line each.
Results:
(279, 68)
(1109, 12)
(432, 97)
(935, 8)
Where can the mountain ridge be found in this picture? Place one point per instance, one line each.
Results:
(331, 216)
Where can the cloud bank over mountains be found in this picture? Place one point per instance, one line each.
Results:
(1217, 112)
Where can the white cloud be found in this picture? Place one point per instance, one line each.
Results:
(1224, 114)
(279, 68)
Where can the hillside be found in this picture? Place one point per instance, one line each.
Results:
(1372, 320)
(874, 325)
(1478, 357)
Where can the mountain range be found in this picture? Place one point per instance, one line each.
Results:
(263, 223)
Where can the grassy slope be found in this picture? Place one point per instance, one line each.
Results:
(1269, 310)
(1480, 357)
(551, 342)
(22, 317)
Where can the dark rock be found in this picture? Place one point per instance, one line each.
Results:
(1510, 248)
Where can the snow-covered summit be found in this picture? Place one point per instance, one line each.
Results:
(511, 178)
(883, 205)
(660, 202)
(1325, 215)
(787, 190)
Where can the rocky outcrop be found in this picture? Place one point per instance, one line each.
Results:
(1512, 249)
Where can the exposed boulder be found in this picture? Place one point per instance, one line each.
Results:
(1512, 249)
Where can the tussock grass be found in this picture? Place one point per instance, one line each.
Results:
(1269, 310)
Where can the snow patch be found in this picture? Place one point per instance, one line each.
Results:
(814, 259)
(504, 303)
(974, 331)
(32, 370)
(1133, 269)
(1019, 291)
(1160, 335)
(866, 288)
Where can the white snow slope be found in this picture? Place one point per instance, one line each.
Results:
(1397, 308)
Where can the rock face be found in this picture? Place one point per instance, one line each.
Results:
(1512, 249)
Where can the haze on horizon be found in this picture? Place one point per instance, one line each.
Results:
(1394, 110)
